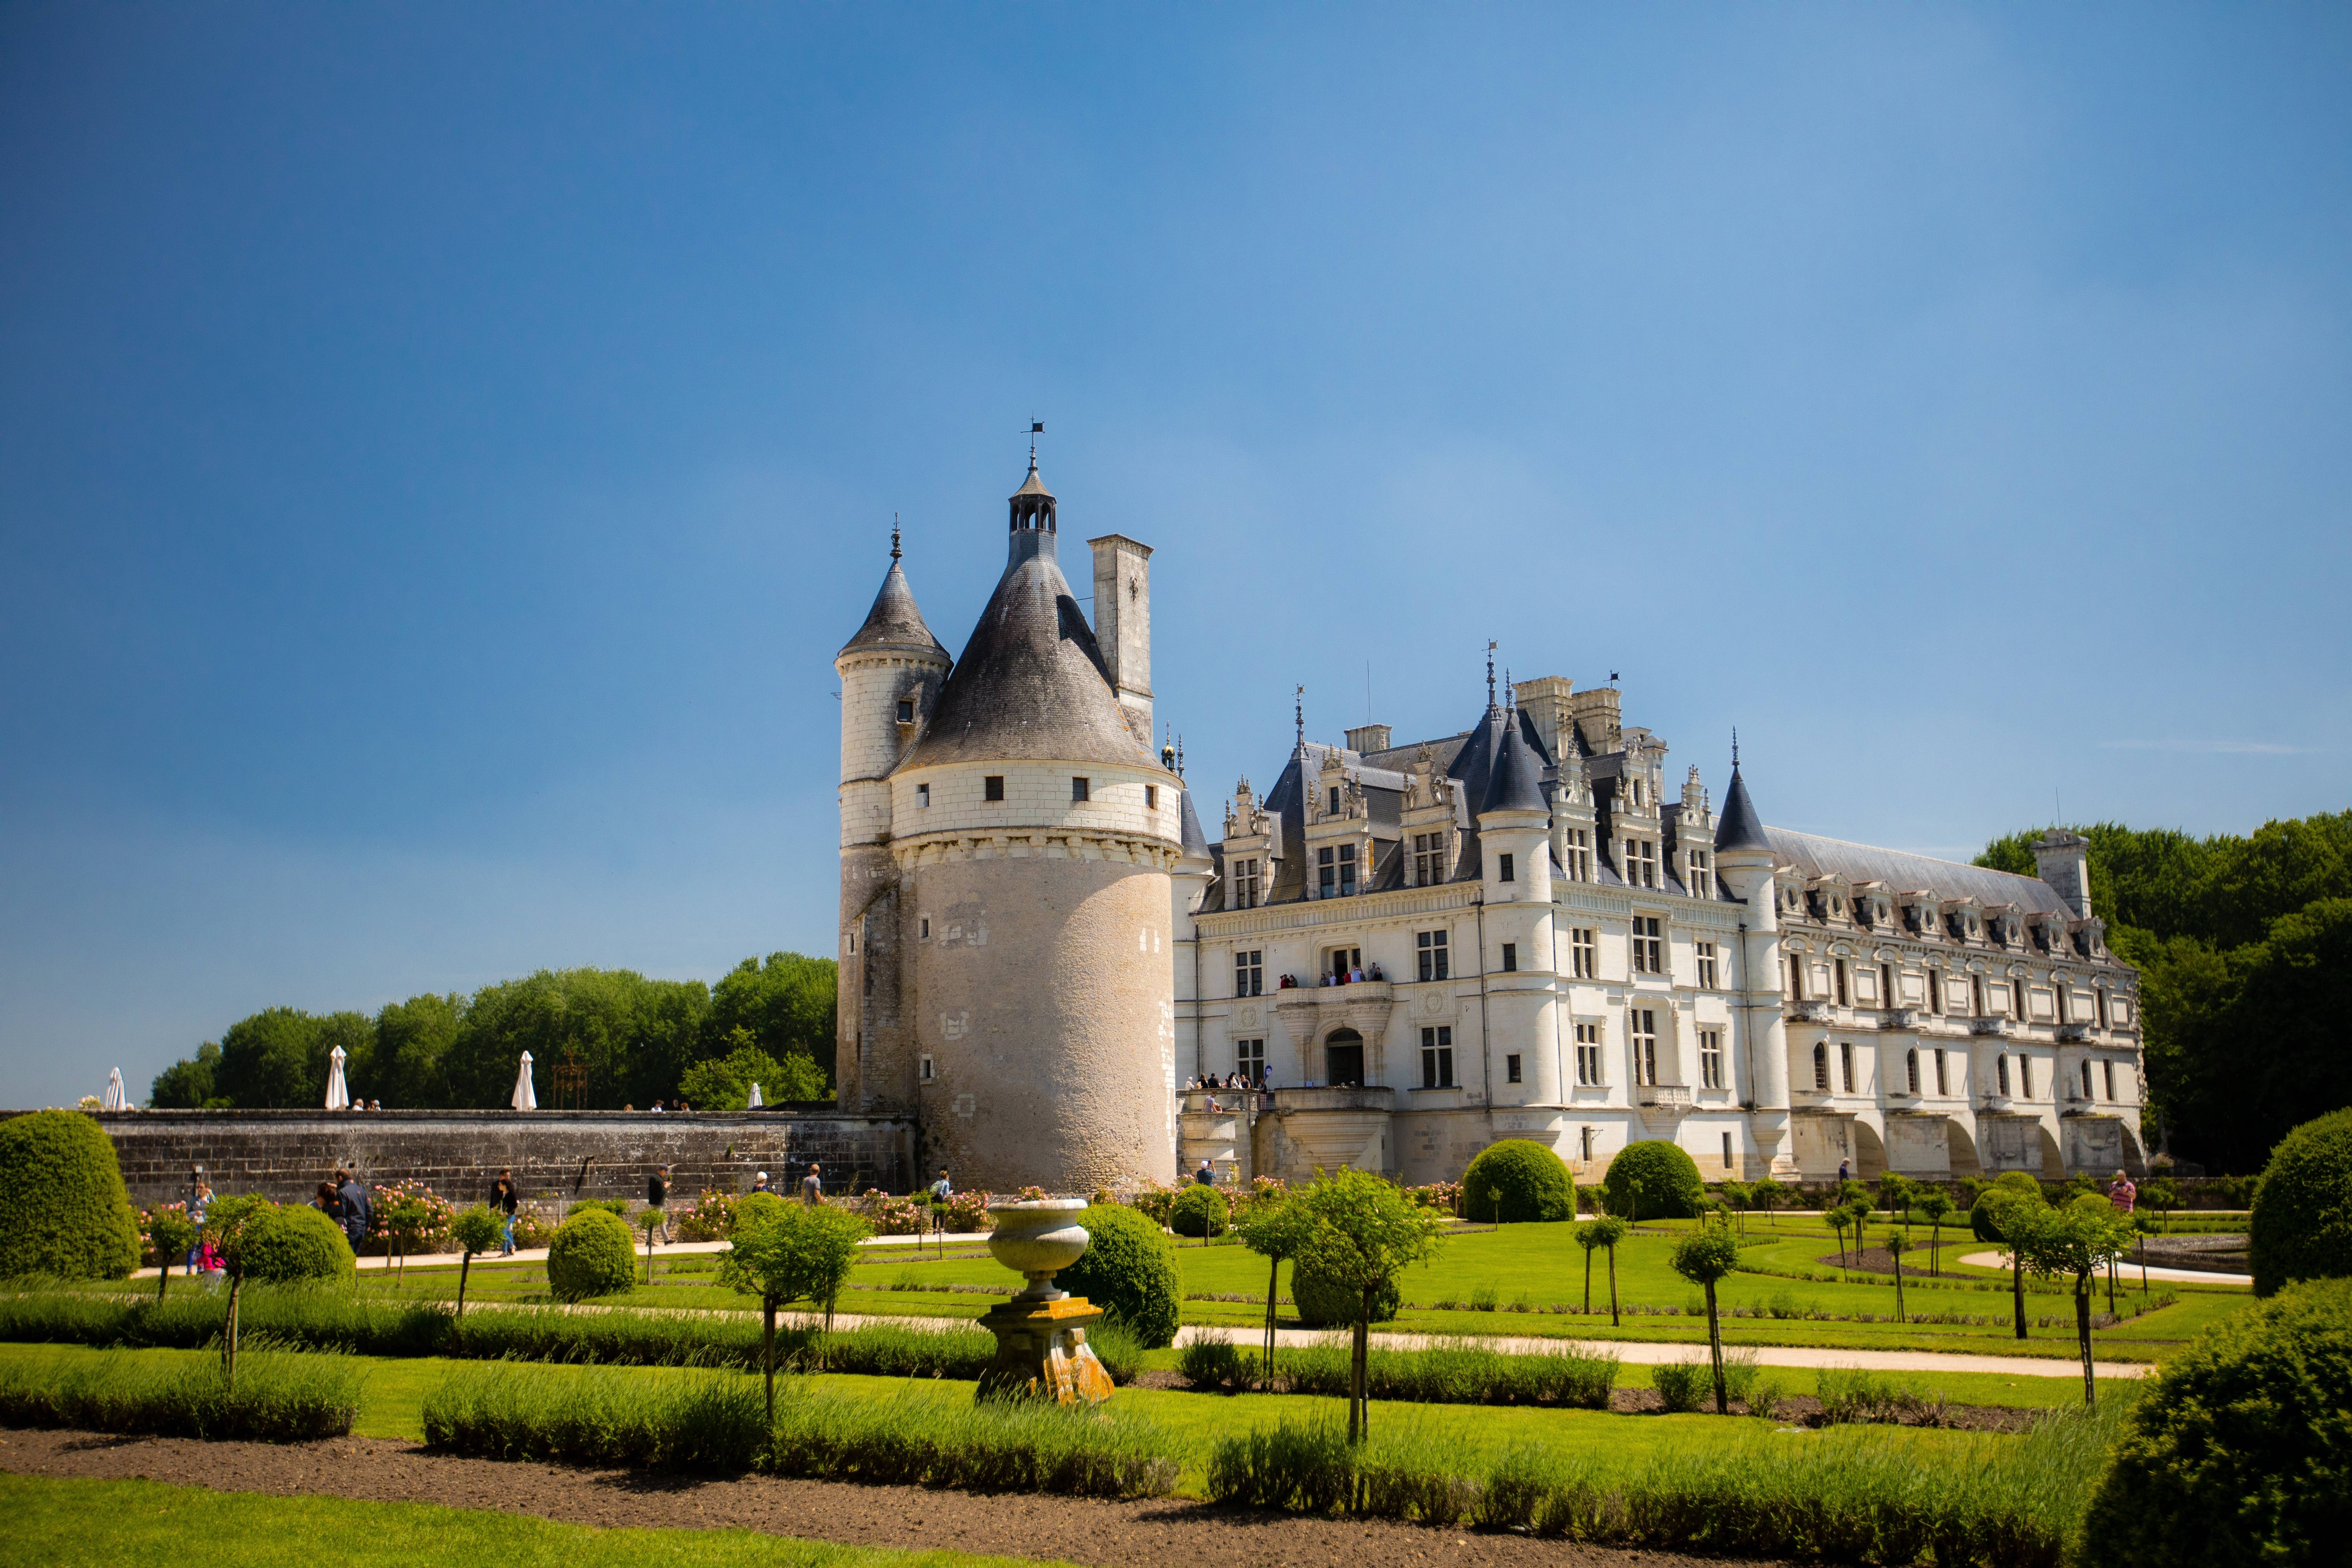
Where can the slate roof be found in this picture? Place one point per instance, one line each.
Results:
(1196, 843)
(1515, 780)
(1739, 827)
(894, 621)
(1903, 873)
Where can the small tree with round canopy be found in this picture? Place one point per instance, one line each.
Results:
(792, 1252)
(171, 1232)
(1276, 1229)
(1704, 1257)
(477, 1229)
(1367, 1233)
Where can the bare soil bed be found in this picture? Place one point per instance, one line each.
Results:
(1168, 1532)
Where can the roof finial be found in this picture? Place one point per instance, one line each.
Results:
(1180, 756)
(1036, 428)
(1510, 691)
(894, 536)
(1490, 675)
(1735, 748)
(1298, 716)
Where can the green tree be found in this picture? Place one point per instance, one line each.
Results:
(475, 1229)
(231, 1223)
(188, 1084)
(631, 1036)
(413, 1039)
(1276, 1229)
(171, 1232)
(1613, 1230)
(792, 1252)
(1768, 1194)
(404, 1216)
(63, 1207)
(1897, 1244)
(1366, 1232)
(1703, 1257)
(277, 1059)
(1938, 1206)
(785, 1003)
(2076, 1242)
(724, 1083)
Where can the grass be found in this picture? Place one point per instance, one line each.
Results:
(276, 1397)
(52, 1521)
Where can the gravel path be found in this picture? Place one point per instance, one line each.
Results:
(1168, 1532)
(2127, 1270)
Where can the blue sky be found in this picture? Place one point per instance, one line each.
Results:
(441, 447)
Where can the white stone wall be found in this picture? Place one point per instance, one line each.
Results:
(1037, 795)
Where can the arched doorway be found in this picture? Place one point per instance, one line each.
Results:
(1343, 1057)
(1869, 1152)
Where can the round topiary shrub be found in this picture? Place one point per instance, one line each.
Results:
(295, 1244)
(1128, 1269)
(1200, 1211)
(755, 1209)
(1984, 1214)
(1324, 1302)
(1668, 1177)
(592, 1255)
(1518, 1180)
(2238, 1452)
(63, 1209)
(2302, 1225)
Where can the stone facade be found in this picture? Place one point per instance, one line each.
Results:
(557, 1155)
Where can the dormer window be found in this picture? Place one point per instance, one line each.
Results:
(1837, 903)
(1972, 925)
(1335, 870)
(1641, 863)
(1333, 808)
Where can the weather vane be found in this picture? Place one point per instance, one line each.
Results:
(1036, 428)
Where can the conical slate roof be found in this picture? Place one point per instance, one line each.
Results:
(1031, 684)
(894, 621)
(1739, 827)
(1196, 843)
(1515, 778)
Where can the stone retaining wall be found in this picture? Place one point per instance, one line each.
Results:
(556, 1155)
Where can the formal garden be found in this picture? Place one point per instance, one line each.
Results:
(1651, 1363)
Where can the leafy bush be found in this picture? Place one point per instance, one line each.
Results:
(63, 1208)
(1130, 1269)
(592, 1255)
(1324, 1302)
(707, 1218)
(2240, 1452)
(1984, 1214)
(1666, 1179)
(1199, 1211)
(410, 1216)
(1518, 1180)
(968, 1212)
(1213, 1361)
(1457, 1371)
(617, 1208)
(276, 1398)
(1306, 1466)
(753, 1209)
(294, 1244)
(1680, 1383)
(2302, 1225)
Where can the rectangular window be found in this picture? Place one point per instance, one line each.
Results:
(2058, 990)
(2108, 1071)
(1702, 876)
(991, 787)
(1942, 1084)
(1346, 965)
(923, 795)
(1429, 946)
(1245, 894)
(1249, 972)
(927, 1069)
(1151, 797)
(1641, 863)
(906, 710)
(1935, 990)
(1588, 1056)
(1428, 859)
(1437, 1057)
(1710, 977)
(1649, 946)
(1845, 1063)
(1585, 1134)
(1911, 1070)
(2025, 1077)
(1326, 873)
(1079, 789)
(1645, 1022)
(1503, 870)
(1334, 807)
(1710, 1058)
(1511, 1068)
(1510, 957)
(1249, 1058)
(2017, 1000)
(925, 925)
(1580, 855)
(1796, 979)
(2102, 996)
(1841, 982)
(1977, 995)
(1584, 951)
(1821, 1067)
(1887, 995)
(1346, 869)
(2001, 1074)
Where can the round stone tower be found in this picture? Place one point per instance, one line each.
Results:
(1033, 835)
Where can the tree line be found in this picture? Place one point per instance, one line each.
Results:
(2244, 948)
(634, 1041)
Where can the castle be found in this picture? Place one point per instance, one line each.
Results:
(1410, 950)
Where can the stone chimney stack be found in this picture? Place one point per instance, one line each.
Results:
(1123, 622)
(2062, 860)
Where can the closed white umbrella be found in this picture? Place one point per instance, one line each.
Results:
(525, 1096)
(338, 1096)
(756, 1100)
(115, 1100)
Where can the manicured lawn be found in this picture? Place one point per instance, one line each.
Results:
(72, 1521)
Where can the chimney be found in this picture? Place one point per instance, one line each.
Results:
(1368, 738)
(2062, 860)
(1123, 623)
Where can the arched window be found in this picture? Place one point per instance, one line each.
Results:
(1822, 1065)
(1343, 1057)
(1911, 1068)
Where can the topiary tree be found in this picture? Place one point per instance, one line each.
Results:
(794, 1251)
(1768, 1194)
(1654, 1178)
(2076, 1242)
(1519, 1181)
(477, 1229)
(294, 1244)
(754, 1208)
(1274, 1228)
(1128, 1269)
(1325, 1301)
(1986, 1223)
(171, 1232)
(1938, 1206)
(63, 1207)
(1704, 1257)
(1366, 1233)
(2237, 1453)
(1199, 1211)
(2302, 1224)
(592, 1255)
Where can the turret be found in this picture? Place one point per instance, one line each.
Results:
(1743, 863)
(1515, 849)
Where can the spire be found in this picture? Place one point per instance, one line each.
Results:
(1514, 781)
(1739, 827)
(894, 621)
(1299, 718)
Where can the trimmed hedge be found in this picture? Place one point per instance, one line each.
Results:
(2240, 1452)
(592, 1255)
(2302, 1224)
(1128, 1269)
(1199, 1211)
(1669, 1177)
(63, 1208)
(294, 1245)
(1324, 1302)
(1519, 1180)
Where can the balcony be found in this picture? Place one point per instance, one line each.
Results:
(1807, 1011)
(1987, 1026)
(2074, 1031)
(1898, 1017)
(1662, 1102)
(1309, 1012)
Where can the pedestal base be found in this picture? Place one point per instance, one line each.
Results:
(1041, 1352)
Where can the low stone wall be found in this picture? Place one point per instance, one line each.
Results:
(556, 1155)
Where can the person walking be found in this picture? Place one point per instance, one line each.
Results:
(941, 1191)
(657, 1200)
(812, 1186)
(1846, 1171)
(196, 1208)
(359, 1215)
(1205, 1176)
(504, 1199)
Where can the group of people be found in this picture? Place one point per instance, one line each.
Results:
(365, 1105)
(1353, 974)
(1228, 1081)
(346, 1202)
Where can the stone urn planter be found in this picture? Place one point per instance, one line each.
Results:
(1041, 1332)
